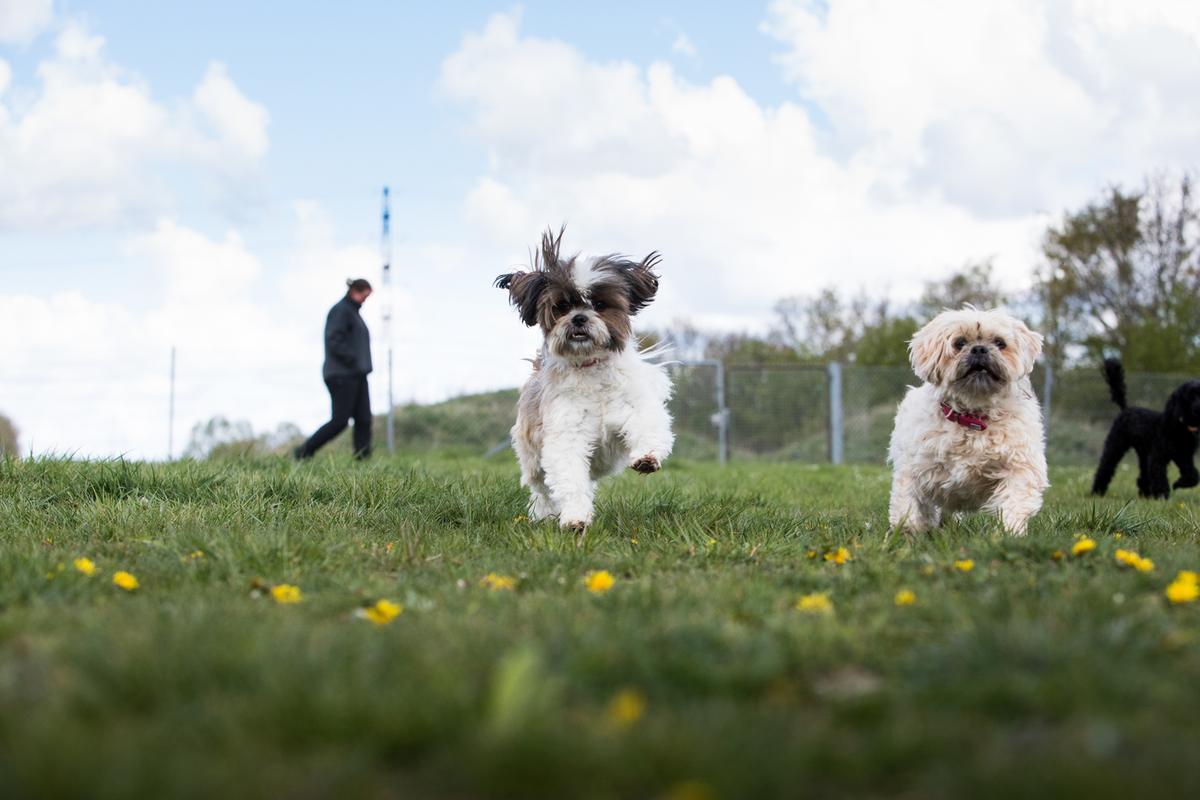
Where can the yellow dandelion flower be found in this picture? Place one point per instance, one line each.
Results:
(633, 540)
(839, 556)
(498, 583)
(599, 581)
(711, 543)
(816, 603)
(86, 566)
(1184, 589)
(1132, 559)
(125, 581)
(1083, 545)
(811, 554)
(1187, 576)
(383, 612)
(905, 597)
(1057, 555)
(966, 565)
(286, 593)
(626, 708)
(1118, 535)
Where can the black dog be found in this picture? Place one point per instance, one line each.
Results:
(1158, 437)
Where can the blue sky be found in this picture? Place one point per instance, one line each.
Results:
(206, 175)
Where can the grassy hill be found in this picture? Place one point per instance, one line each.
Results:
(729, 658)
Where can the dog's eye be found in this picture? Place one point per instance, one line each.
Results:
(960, 343)
(562, 306)
(1000, 343)
(599, 305)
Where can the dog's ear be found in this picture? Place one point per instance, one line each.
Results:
(1173, 411)
(925, 352)
(1029, 346)
(524, 291)
(642, 282)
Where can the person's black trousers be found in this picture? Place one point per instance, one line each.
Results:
(350, 400)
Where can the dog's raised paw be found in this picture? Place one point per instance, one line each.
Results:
(577, 527)
(646, 465)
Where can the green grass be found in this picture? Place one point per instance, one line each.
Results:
(1024, 677)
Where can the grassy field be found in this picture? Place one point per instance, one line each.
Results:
(694, 676)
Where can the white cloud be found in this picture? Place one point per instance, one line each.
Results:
(22, 20)
(684, 46)
(745, 200)
(88, 146)
(239, 123)
(947, 130)
(1001, 108)
(89, 377)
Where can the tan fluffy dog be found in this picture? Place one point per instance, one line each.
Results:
(970, 437)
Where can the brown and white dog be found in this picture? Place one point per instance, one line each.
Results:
(970, 437)
(594, 404)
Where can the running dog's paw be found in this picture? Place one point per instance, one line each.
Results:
(577, 527)
(575, 522)
(646, 464)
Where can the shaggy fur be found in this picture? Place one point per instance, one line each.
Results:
(1158, 437)
(593, 405)
(977, 363)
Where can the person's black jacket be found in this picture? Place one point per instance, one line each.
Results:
(347, 342)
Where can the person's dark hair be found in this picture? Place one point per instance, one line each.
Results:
(358, 285)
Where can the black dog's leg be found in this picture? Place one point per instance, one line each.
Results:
(1188, 476)
(1143, 479)
(1157, 485)
(1115, 448)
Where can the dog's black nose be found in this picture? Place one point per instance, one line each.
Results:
(979, 350)
(579, 319)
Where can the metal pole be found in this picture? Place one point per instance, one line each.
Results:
(171, 410)
(722, 416)
(1047, 392)
(836, 432)
(385, 248)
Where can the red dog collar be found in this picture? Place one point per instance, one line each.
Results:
(975, 423)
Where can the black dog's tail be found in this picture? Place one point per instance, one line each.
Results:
(1114, 376)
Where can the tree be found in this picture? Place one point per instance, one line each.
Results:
(223, 438)
(217, 432)
(827, 326)
(886, 343)
(1123, 275)
(974, 283)
(9, 440)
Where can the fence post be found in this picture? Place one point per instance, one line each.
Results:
(1047, 391)
(836, 432)
(722, 417)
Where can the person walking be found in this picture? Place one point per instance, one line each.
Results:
(347, 364)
